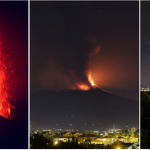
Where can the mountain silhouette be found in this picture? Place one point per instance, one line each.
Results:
(59, 109)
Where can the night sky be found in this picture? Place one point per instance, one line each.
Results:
(14, 36)
(145, 43)
(71, 39)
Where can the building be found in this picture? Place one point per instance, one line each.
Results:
(145, 88)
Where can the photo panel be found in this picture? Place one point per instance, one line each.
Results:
(14, 75)
(145, 74)
(84, 74)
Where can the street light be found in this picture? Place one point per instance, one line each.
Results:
(56, 143)
(118, 146)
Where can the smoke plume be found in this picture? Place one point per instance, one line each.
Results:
(69, 68)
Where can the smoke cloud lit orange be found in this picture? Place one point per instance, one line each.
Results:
(71, 69)
(92, 48)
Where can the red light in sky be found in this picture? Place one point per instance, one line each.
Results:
(5, 105)
(85, 86)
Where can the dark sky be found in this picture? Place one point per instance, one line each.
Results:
(145, 43)
(65, 39)
(14, 36)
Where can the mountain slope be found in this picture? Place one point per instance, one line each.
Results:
(95, 106)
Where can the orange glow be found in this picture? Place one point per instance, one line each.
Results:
(91, 80)
(5, 106)
(83, 87)
(87, 87)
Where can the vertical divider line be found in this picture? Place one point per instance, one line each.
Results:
(139, 73)
(28, 74)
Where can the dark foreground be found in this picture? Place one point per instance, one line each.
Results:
(13, 134)
(145, 120)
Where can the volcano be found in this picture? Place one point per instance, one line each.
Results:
(59, 109)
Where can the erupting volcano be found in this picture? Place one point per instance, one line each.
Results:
(90, 50)
(5, 104)
(87, 87)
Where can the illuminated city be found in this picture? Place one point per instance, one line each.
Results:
(145, 88)
(117, 138)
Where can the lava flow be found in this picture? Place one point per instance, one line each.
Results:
(5, 106)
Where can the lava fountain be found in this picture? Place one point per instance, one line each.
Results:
(90, 50)
(86, 87)
(5, 97)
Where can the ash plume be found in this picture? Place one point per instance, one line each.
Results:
(67, 68)
(76, 66)
(61, 50)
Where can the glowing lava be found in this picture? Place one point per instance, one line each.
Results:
(87, 87)
(91, 80)
(83, 87)
(5, 106)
